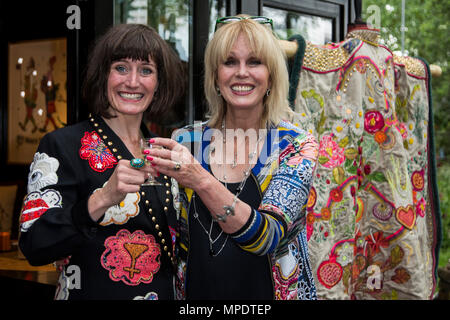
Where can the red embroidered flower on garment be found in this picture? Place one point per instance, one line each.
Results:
(331, 155)
(420, 207)
(376, 240)
(131, 258)
(94, 149)
(373, 121)
(418, 180)
(336, 194)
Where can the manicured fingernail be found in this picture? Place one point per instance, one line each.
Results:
(153, 165)
(146, 151)
(151, 141)
(149, 158)
(157, 174)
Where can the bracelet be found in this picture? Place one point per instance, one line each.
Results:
(229, 211)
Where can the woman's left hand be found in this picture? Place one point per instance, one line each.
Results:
(177, 162)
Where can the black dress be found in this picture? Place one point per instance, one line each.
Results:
(227, 273)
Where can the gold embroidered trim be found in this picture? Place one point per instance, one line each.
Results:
(413, 66)
(324, 59)
(370, 36)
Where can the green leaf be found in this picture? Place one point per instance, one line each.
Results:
(348, 163)
(397, 255)
(321, 124)
(377, 176)
(323, 159)
(352, 170)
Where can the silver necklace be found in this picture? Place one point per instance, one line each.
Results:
(238, 192)
(209, 234)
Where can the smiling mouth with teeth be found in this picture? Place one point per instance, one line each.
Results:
(131, 96)
(242, 88)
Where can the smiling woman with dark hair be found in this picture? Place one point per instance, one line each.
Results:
(135, 42)
(86, 199)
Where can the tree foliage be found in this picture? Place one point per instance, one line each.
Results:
(427, 37)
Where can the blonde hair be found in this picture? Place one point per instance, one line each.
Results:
(267, 48)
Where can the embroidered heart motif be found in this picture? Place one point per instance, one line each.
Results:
(406, 216)
(329, 273)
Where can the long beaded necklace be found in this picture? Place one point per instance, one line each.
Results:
(238, 192)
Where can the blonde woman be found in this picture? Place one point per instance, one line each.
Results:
(243, 195)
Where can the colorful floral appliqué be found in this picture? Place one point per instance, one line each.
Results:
(418, 180)
(331, 155)
(122, 212)
(373, 121)
(42, 172)
(329, 272)
(131, 258)
(36, 204)
(94, 149)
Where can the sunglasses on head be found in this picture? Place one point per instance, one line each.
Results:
(259, 19)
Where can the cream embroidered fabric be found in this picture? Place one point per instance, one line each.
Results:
(371, 224)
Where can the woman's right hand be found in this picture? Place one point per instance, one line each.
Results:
(125, 179)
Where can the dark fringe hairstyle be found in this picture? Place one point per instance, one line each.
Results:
(136, 42)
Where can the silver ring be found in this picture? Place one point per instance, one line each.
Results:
(177, 166)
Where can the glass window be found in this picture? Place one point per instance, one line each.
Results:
(286, 23)
(171, 19)
(217, 10)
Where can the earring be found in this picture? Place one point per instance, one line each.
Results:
(218, 91)
(268, 92)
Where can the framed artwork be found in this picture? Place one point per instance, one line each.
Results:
(37, 94)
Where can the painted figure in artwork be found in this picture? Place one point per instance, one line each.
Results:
(50, 90)
(30, 96)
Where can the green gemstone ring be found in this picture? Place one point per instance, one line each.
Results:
(137, 163)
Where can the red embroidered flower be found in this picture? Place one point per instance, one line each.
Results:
(373, 121)
(131, 258)
(361, 66)
(325, 213)
(417, 180)
(336, 194)
(420, 207)
(331, 155)
(94, 149)
(376, 240)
